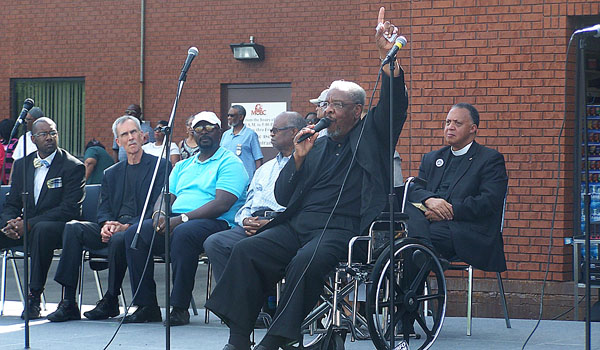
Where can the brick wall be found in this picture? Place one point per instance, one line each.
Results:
(505, 57)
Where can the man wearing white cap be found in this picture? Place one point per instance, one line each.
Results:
(206, 192)
(320, 111)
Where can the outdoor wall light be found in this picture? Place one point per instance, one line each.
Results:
(248, 51)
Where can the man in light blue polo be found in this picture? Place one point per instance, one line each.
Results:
(242, 140)
(206, 192)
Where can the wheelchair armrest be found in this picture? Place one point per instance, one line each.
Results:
(351, 246)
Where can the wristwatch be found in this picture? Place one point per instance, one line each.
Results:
(184, 218)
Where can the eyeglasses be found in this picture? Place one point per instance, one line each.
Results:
(208, 128)
(159, 129)
(44, 134)
(337, 105)
(232, 115)
(276, 130)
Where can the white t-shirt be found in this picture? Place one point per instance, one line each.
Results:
(31, 147)
(153, 149)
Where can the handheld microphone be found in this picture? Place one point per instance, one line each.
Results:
(400, 42)
(322, 124)
(192, 53)
(589, 31)
(27, 105)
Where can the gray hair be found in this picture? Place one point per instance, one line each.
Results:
(42, 120)
(357, 93)
(122, 120)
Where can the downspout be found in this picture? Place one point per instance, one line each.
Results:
(142, 30)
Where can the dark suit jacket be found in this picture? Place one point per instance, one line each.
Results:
(477, 195)
(54, 204)
(371, 155)
(113, 189)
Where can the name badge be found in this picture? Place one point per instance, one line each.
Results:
(54, 183)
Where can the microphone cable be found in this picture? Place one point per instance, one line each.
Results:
(557, 188)
(364, 122)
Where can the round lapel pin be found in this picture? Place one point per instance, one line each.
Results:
(439, 162)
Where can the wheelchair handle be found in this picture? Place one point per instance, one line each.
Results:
(407, 184)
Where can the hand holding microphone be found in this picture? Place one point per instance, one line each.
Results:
(322, 124)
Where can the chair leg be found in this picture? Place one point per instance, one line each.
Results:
(81, 270)
(3, 283)
(17, 279)
(122, 298)
(208, 291)
(470, 300)
(98, 284)
(194, 309)
(503, 299)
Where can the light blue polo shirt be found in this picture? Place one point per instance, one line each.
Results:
(244, 145)
(195, 183)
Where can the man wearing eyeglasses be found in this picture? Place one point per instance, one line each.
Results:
(332, 189)
(242, 140)
(55, 182)
(206, 192)
(320, 111)
(260, 198)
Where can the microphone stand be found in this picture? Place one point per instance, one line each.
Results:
(580, 108)
(25, 201)
(391, 201)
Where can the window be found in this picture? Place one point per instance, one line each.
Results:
(61, 99)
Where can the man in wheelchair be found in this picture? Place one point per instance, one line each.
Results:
(345, 174)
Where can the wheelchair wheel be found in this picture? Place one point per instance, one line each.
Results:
(415, 264)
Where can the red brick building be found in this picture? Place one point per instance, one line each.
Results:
(505, 57)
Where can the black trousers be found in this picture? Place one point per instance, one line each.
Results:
(257, 263)
(44, 237)
(78, 235)
(187, 241)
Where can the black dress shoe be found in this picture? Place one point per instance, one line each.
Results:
(179, 316)
(106, 307)
(67, 310)
(34, 308)
(144, 314)
(231, 347)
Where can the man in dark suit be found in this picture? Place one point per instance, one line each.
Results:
(333, 188)
(124, 189)
(463, 200)
(55, 181)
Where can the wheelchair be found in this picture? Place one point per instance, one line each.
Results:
(419, 289)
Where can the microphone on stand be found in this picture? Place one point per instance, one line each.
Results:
(27, 105)
(322, 124)
(400, 42)
(192, 53)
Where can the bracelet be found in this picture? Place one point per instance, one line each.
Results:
(158, 211)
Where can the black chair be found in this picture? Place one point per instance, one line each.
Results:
(97, 258)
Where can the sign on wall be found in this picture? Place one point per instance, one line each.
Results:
(260, 117)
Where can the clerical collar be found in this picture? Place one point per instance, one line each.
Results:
(462, 151)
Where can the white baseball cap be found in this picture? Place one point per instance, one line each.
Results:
(206, 116)
(322, 97)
